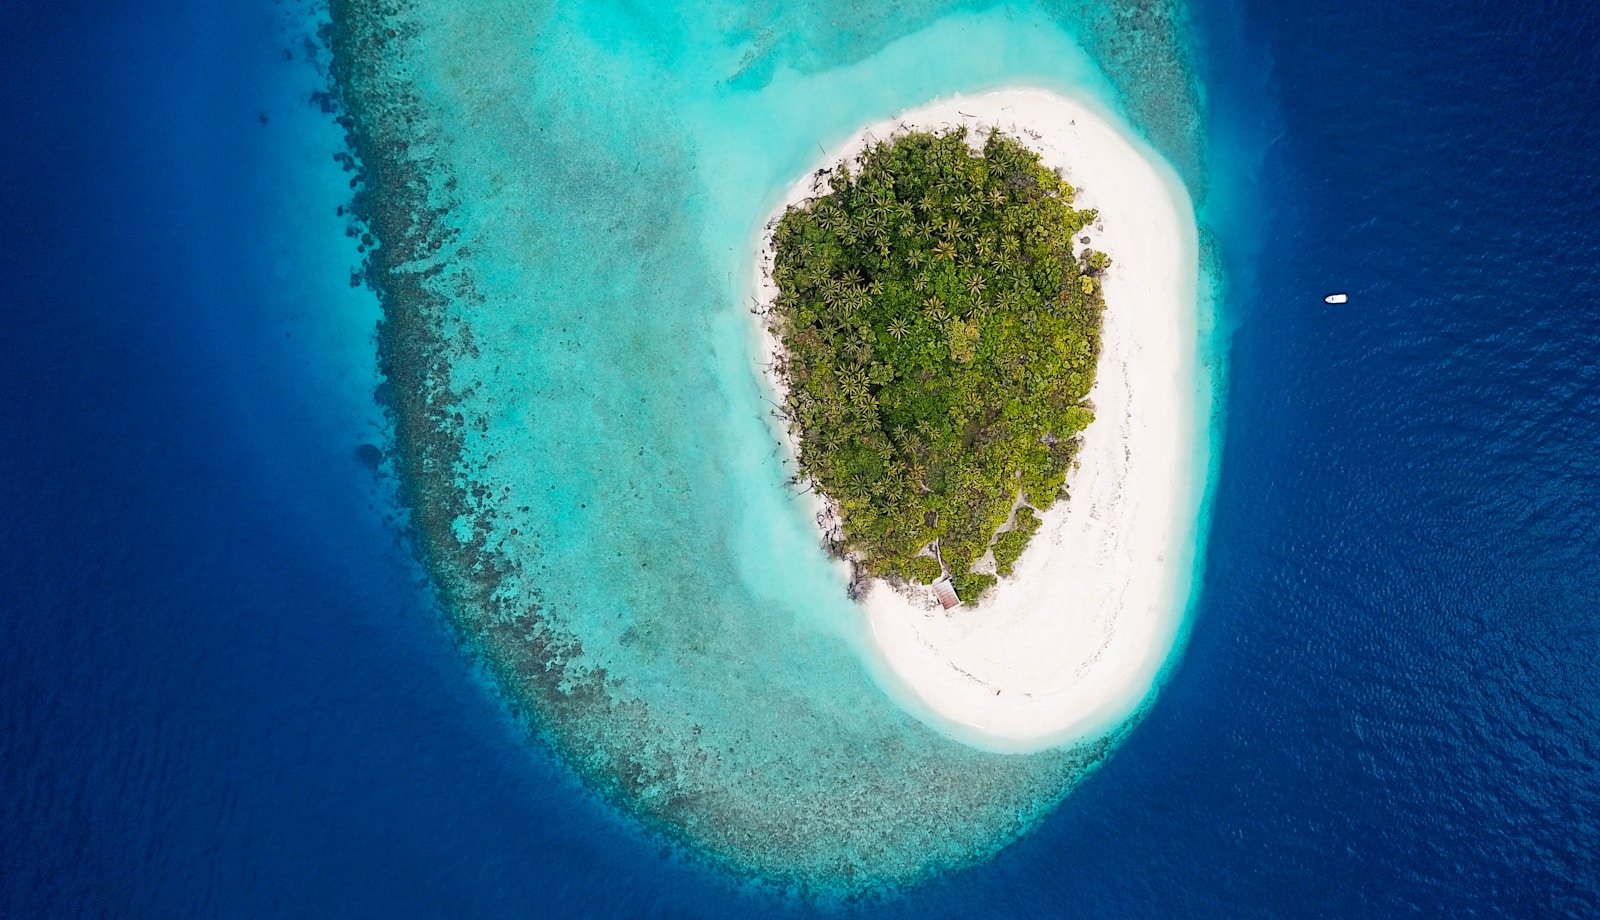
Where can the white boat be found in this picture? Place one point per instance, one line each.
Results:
(1336, 298)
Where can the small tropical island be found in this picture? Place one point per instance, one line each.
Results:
(940, 328)
(1001, 428)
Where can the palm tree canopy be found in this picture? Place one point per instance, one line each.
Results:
(939, 339)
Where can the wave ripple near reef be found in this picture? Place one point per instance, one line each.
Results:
(543, 289)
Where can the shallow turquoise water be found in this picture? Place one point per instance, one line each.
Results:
(567, 197)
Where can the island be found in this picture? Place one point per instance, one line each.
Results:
(949, 363)
(940, 327)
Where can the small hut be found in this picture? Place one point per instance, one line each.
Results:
(946, 592)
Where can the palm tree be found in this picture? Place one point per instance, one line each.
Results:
(899, 328)
(865, 406)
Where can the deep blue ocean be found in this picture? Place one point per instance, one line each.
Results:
(225, 690)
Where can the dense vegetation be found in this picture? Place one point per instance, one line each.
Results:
(940, 337)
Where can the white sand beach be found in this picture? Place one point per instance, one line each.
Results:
(1070, 647)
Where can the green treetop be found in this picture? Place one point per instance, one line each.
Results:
(940, 337)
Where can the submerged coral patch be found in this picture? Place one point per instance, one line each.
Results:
(562, 203)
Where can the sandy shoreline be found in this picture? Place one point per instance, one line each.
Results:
(1072, 645)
